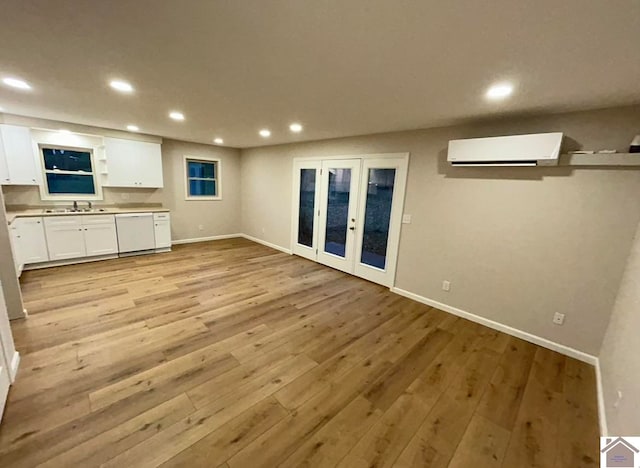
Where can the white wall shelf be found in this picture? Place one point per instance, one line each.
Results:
(601, 159)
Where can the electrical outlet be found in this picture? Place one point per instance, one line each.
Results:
(406, 219)
(201, 227)
(446, 286)
(558, 318)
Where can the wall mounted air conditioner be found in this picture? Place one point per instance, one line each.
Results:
(538, 149)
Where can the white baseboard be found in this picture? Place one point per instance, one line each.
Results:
(602, 412)
(205, 239)
(71, 261)
(15, 363)
(562, 349)
(268, 244)
(231, 236)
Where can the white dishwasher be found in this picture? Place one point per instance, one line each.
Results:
(135, 233)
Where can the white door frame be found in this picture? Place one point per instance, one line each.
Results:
(398, 206)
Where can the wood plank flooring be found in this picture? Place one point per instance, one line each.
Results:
(229, 354)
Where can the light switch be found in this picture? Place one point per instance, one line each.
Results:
(406, 219)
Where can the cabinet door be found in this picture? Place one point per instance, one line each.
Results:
(65, 237)
(6, 338)
(15, 247)
(33, 244)
(150, 155)
(18, 152)
(100, 237)
(4, 383)
(163, 233)
(133, 163)
(4, 169)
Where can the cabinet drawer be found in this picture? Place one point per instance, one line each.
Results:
(158, 216)
(68, 221)
(90, 220)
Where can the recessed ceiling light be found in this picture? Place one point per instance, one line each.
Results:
(265, 133)
(499, 91)
(295, 127)
(121, 86)
(175, 115)
(218, 141)
(132, 128)
(64, 130)
(16, 83)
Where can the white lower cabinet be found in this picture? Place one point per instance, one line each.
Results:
(33, 243)
(28, 242)
(65, 237)
(15, 248)
(81, 236)
(162, 227)
(100, 236)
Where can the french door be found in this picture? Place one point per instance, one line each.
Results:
(347, 213)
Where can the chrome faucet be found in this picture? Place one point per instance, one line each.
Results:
(75, 206)
(90, 205)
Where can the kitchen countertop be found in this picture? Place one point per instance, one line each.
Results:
(37, 212)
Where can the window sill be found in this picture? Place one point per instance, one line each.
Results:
(71, 197)
(203, 198)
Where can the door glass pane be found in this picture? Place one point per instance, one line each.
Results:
(307, 208)
(377, 217)
(337, 211)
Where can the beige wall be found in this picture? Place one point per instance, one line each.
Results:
(217, 217)
(518, 244)
(619, 363)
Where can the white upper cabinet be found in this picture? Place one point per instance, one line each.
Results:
(4, 168)
(130, 163)
(17, 161)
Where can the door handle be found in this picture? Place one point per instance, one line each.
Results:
(352, 228)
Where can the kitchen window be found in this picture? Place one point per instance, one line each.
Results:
(202, 178)
(68, 173)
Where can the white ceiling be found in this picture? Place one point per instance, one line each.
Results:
(340, 67)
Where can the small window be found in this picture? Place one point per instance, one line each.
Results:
(202, 179)
(68, 172)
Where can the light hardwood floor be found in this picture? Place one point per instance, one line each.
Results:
(231, 354)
